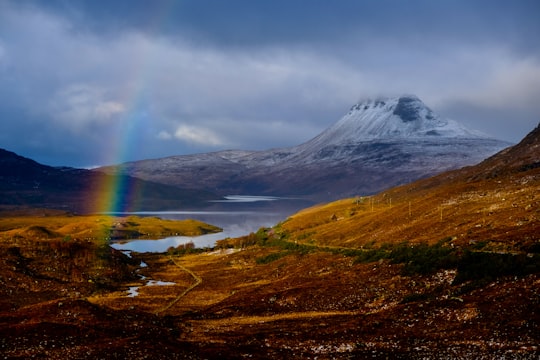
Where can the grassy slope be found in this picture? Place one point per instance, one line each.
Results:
(96, 227)
(503, 210)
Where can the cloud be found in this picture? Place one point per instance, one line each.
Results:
(79, 106)
(513, 83)
(83, 79)
(164, 135)
(197, 135)
(276, 84)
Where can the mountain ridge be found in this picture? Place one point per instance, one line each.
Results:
(404, 116)
(27, 183)
(376, 145)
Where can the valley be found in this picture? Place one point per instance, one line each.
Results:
(260, 180)
(276, 299)
(446, 267)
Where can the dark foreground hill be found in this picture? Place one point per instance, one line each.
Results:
(26, 183)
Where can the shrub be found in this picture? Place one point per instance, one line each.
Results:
(487, 266)
(424, 258)
(271, 257)
(414, 297)
(183, 249)
(371, 255)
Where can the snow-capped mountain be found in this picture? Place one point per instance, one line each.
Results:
(403, 117)
(377, 144)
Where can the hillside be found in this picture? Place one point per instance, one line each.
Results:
(26, 183)
(377, 144)
(496, 201)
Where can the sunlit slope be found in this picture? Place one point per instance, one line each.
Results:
(66, 227)
(496, 201)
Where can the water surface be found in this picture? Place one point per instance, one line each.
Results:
(237, 216)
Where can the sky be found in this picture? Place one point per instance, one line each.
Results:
(89, 83)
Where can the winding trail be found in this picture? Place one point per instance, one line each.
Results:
(197, 282)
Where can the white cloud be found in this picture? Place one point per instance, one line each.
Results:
(487, 77)
(81, 79)
(513, 83)
(197, 135)
(79, 106)
(164, 135)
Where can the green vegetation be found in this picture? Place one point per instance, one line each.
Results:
(488, 266)
(272, 257)
(424, 258)
(471, 265)
(186, 249)
(476, 263)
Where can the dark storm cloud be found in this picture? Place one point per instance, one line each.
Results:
(84, 81)
(256, 23)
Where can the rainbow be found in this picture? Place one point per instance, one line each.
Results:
(118, 193)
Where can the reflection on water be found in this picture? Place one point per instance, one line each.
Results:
(236, 218)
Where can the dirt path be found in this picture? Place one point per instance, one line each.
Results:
(197, 279)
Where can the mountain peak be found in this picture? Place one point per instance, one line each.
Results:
(411, 108)
(405, 116)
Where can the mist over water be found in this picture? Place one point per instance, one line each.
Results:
(234, 216)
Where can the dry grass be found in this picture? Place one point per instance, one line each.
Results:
(301, 305)
(96, 227)
(497, 211)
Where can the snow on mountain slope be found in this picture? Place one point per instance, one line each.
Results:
(403, 118)
(402, 128)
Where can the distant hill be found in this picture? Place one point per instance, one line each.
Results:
(377, 144)
(26, 183)
(495, 203)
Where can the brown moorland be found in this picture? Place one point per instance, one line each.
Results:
(443, 268)
(55, 255)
